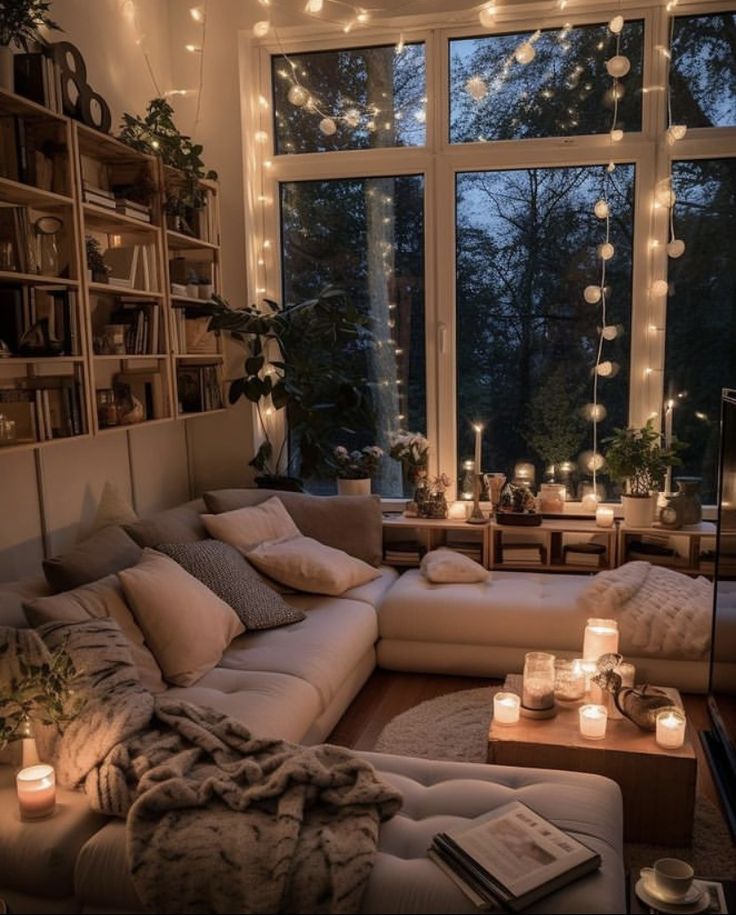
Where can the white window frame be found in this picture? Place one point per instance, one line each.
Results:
(439, 161)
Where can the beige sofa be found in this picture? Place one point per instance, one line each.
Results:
(295, 682)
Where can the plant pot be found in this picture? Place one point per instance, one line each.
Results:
(688, 497)
(7, 79)
(285, 484)
(639, 511)
(354, 487)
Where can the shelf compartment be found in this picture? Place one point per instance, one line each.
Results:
(109, 289)
(180, 242)
(113, 223)
(20, 194)
(35, 279)
(10, 103)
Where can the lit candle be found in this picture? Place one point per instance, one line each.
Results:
(588, 669)
(36, 787)
(569, 680)
(589, 502)
(604, 516)
(593, 720)
(478, 432)
(671, 728)
(601, 637)
(668, 415)
(506, 708)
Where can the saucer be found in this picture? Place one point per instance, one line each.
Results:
(696, 900)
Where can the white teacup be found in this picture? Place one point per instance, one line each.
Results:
(670, 879)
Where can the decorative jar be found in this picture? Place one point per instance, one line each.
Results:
(569, 680)
(538, 685)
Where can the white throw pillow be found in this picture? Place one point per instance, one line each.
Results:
(186, 626)
(245, 528)
(307, 565)
(445, 566)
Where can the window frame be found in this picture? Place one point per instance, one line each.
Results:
(439, 161)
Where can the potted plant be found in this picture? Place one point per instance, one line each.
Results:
(637, 459)
(97, 269)
(20, 21)
(355, 469)
(291, 375)
(434, 503)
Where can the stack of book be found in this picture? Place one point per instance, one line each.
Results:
(511, 858)
(23, 308)
(131, 208)
(199, 388)
(43, 408)
(654, 548)
(98, 196)
(193, 335)
(37, 78)
(142, 319)
(402, 552)
(470, 548)
(528, 554)
(584, 554)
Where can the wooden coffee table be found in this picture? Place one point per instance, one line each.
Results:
(658, 786)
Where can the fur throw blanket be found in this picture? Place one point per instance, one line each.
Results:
(217, 819)
(659, 611)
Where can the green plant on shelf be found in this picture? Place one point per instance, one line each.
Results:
(638, 458)
(20, 21)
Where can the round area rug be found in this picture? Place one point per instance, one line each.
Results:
(455, 727)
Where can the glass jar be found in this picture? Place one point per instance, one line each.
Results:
(107, 408)
(569, 680)
(7, 430)
(688, 499)
(538, 687)
(552, 498)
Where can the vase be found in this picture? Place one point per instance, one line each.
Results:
(7, 79)
(354, 487)
(688, 499)
(434, 505)
(639, 511)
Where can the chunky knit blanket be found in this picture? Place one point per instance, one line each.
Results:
(217, 820)
(659, 611)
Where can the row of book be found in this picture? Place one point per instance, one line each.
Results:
(43, 408)
(199, 388)
(37, 78)
(109, 200)
(142, 322)
(19, 239)
(39, 320)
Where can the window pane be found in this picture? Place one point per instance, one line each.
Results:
(375, 96)
(526, 339)
(703, 70)
(701, 311)
(366, 236)
(565, 90)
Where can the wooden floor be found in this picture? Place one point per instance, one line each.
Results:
(388, 694)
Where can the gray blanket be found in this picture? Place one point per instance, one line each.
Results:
(218, 820)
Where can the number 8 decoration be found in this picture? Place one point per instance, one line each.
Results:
(79, 99)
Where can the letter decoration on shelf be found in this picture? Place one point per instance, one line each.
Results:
(79, 99)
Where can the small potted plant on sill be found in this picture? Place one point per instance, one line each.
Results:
(20, 21)
(356, 469)
(637, 458)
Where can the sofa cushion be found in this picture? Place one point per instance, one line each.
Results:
(99, 599)
(322, 649)
(373, 592)
(182, 524)
(186, 626)
(12, 596)
(222, 569)
(104, 553)
(245, 528)
(350, 523)
(444, 566)
(308, 565)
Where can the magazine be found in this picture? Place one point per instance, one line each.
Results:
(512, 857)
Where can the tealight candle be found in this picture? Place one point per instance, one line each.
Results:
(604, 516)
(36, 787)
(671, 724)
(593, 719)
(601, 637)
(506, 708)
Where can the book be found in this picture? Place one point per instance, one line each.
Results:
(528, 553)
(512, 857)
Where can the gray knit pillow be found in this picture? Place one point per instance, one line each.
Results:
(232, 578)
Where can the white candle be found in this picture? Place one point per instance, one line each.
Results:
(601, 637)
(478, 431)
(593, 719)
(604, 516)
(36, 787)
(506, 708)
(588, 668)
(670, 728)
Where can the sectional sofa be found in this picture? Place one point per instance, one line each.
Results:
(295, 682)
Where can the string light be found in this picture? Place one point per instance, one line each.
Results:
(487, 15)
(313, 7)
(262, 28)
(476, 88)
(601, 209)
(606, 251)
(592, 294)
(193, 48)
(525, 53)
(298, 95)
(328, 127)
(618, 66)
(197, 14)
(675, 248)
(616, 24)
(660, 288)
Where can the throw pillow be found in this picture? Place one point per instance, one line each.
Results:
(245, 528)
(444, 566)
(105, 552)
(231, 577)
(113, 508)
(186, 626)
(99, 600)
(175, 525)
(307, 565)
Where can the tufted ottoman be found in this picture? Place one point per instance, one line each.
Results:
(437, 795)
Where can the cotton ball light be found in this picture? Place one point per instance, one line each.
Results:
(664, 195)
(601, 209)
(476, 88)
(298, 96)
(676, 248)
(660, 288)
(609, 332)
(616, 136)
(616, 25)
(592, 294)
(352, 117)
(525, 53)
(606, 251)
(605, 369)
(677, 131)
(618, 66)
(589, 502)
(327, 126)
(262, 28)
(487, 15)
(594, 412)
(590, 461)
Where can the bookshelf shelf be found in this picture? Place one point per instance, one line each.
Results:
(36, 279)
(102, 220)
(179, 242)
(11, 103)
(41, 360)
(127, 357)
(204, 357)
(189, 300)
(193, 414)
(109, 289)
(15, 192)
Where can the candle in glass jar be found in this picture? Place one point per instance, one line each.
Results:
(538, 681)
(569, 680)
(593, 719)
(670, 728)
(506, 708)
(601, 637)
(36, 787)
(604, 516)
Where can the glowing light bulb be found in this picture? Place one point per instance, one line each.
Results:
(525, 53)
(606, 251)
(660, 288)
(676, 132)
(352, 117)
(664, 195)
(327, 126)
(262, 28)
(362, 16)
(605, 369)
(616, 24)
(260, 136)
(618, 66)
(609, 332)
(314, 6)
(487, 15)
(192, 48)
(592, 294)
(401, 44)
(155, 144)
(616, 136)
(197, 13)
(601, 209)
(611, 167)
(676, 248)
(594, 412)
(298, 96)
(476, 88)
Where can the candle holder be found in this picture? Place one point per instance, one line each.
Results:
(593, 720)
(36, 788)
(538, 685)
(506, 708)
(671, 725)
(477, 516)
(569, 680)
(601, 637)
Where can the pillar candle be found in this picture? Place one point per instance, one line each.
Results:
(36, 787)
(506, 708)
(478, 432)
(670, 728)
(601, 637)
(593, 720)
